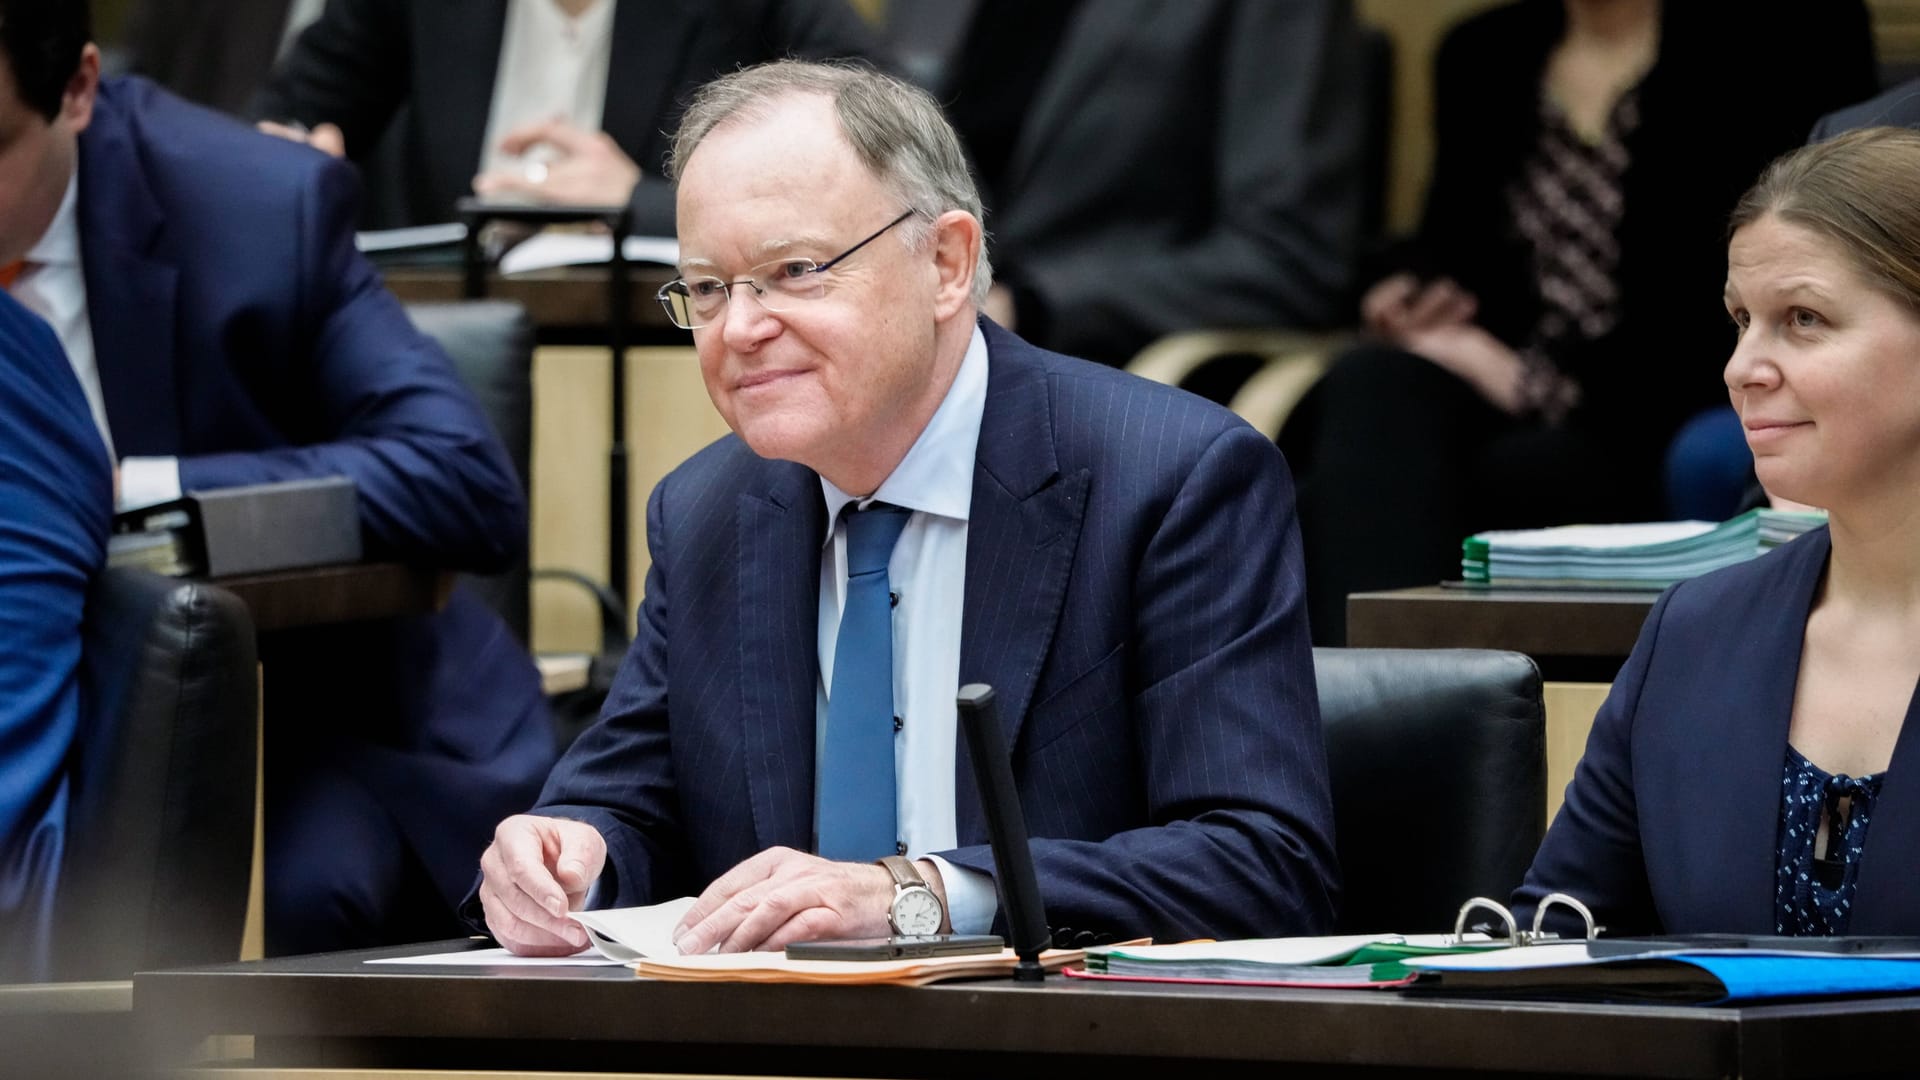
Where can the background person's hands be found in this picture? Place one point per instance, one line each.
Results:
(326, 137)
(1401, 305)
(585, 168)
(536, 870)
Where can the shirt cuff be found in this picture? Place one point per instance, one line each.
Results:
(145, 481)
(971, 900)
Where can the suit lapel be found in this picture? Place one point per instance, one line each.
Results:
(1022, 531)
(1095, 38)
(648, 40)
(130, 292)
(778, 593)
(1740, 778)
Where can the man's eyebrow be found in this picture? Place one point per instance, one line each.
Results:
(783, 245)
(765, 250)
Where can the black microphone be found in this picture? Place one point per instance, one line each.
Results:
(1006, 831)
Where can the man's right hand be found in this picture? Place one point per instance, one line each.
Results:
(326, 137)
(536, 870)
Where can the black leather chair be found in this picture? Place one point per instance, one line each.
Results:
(491, 345)
(1439, 769)
(160, 840)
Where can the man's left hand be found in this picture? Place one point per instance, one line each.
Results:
(588, 168)
(781, 896)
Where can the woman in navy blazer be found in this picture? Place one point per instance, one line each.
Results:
(1755, 768)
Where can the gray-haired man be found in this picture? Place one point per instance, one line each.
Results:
(1117, 558)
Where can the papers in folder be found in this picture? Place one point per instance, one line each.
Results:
(1648, 556)
(552, 248)
(775, 967)
(1361, 960)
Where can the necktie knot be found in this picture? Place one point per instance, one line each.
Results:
(871, 534)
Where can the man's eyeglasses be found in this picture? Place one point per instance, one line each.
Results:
(779, 285)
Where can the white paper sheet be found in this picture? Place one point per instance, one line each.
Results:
(546, 250)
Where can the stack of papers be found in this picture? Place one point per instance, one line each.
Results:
(775, 967)
(1644, 556)
(1363, 960)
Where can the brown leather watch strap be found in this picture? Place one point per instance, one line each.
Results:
(904, 872)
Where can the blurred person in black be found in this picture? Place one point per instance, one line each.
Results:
(1551, 324)
(1152, 167)
(559, 101)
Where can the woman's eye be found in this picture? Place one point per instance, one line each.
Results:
(1803, 318)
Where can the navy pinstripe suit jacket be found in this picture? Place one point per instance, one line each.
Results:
(1133, 595)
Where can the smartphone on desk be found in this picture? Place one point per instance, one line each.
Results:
(907, 947)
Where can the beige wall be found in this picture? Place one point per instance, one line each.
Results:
(668, 418)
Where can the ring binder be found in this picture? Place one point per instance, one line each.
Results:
(1518, 937)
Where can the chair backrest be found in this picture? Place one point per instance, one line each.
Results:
(491, 345)
(160, 831)
(1439, 769)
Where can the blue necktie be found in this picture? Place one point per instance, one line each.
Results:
(856, 803)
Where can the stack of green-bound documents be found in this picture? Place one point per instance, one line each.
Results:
(1645, 556)
(1370, 960)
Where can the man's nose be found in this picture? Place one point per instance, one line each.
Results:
(747, 320)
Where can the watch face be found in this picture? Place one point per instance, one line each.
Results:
(916, 911)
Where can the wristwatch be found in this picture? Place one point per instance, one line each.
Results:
(916, 909)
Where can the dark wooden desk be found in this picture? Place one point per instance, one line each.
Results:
(318, 595)
(568, 304)
(336, 1011)
(1572, 635)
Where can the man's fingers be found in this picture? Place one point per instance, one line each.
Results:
(718, 911)
(521, 937)
(578, 855)
(506, 182)
(756, 868)
(813, 924)
(804, 910)
(558, 134)
(513, 898)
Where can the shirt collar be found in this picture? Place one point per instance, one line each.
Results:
(936, 476)
(60, 244)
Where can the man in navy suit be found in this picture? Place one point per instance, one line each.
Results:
(56, 496)
(1117, 559)
(204, 282)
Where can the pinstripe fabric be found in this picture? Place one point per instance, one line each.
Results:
(1134, 594)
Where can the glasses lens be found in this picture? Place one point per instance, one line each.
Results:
(788, 281)
(673, 296)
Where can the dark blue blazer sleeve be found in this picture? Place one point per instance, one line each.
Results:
(1593, 851)
(56, 498)
(618, 776)
(1236, 835)
(434, 483)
